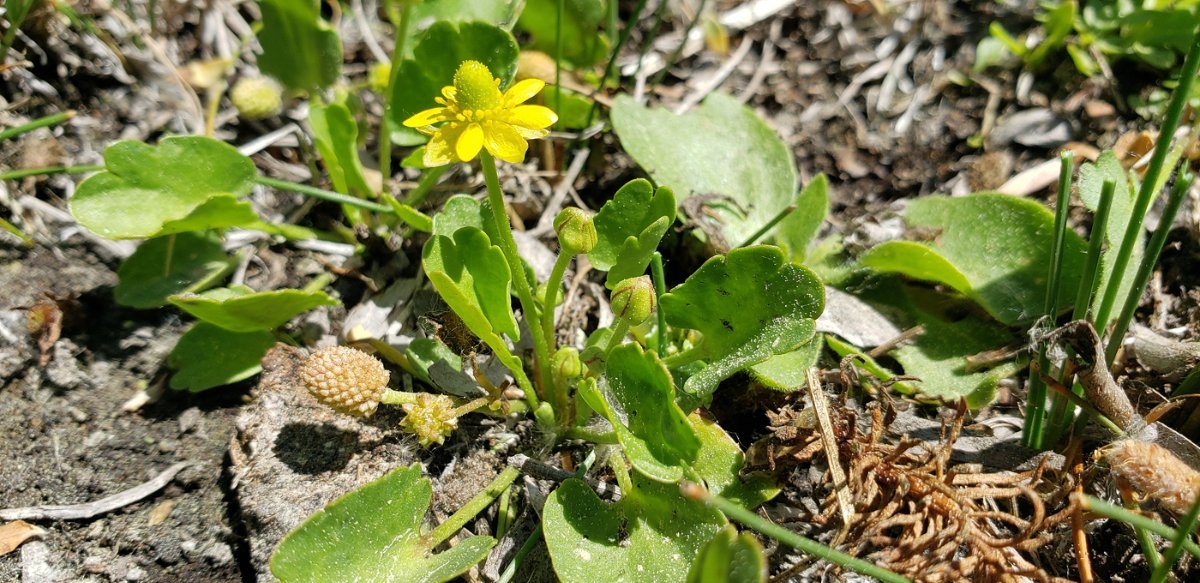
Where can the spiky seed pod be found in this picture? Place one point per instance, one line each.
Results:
(1155, 472)
(346, 380)
(256, 97)
(431, 418)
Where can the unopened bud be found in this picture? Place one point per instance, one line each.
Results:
(566, 364)
(576, 231)
(633, 300)
(344, 379)
(256, 97)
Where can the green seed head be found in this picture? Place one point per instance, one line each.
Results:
(475, 87)
(633, 300)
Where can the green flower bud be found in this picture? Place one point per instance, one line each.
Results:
(576, 231)
(566, 364)
(544, 414)
(256, 97)
(633, 300)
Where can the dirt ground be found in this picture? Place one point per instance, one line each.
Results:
(874, 102)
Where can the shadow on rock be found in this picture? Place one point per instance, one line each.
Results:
(308, 448)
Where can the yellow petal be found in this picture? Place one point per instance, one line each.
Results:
(437, 152)
(449, 93)
(534, 117)
(504, 142)
(529, 134)
(468, 142)
(427, 117)
(522, 91)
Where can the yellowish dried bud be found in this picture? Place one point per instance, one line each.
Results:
(344, 379)
(535, 65)
(431, 418)
(1155, 472)
(256, 97)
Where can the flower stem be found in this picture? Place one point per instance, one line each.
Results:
(482, 500)
(618, 334)
(41, 122)
(324, 194)
(559, 396)
(787, 537)
(508, 246)
(400, 21)
(50, 170)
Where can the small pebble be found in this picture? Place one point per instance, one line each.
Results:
(79, 415)
(189, 419)
(94, 564)
(135, 574)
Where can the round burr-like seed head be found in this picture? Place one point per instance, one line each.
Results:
(347, 380)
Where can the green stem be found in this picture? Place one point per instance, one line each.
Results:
(767, 227)
(319, 282)
(558, 390)
(598, 437)
(324, 194)
(618, 334)
(1157, 241)
(616, 461)
(681, 358)
(1182, 535)
(508, 246)
(1098, 506)
(1058, 408)
(17, 11)
(787, 537)
(400, 21)
(482, 500)
(429, 179)
(49, 171)
(660, 288)
(41, 122)
(1162, 146)
(531, 542)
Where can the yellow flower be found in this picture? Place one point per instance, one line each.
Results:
(476, 115)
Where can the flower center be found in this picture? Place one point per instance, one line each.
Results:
(475, 87)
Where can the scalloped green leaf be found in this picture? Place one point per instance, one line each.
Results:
(471, 275)
(655, 432)
(796, 231)
(629, 228)
(649, 536)
(437, 55)
(300, 48)
(185, 183)
(374, 534)
(719, 464)
(579, 22)
(993, 248)
(209, 356)
(749, 305)
(786, 372)
(335, 134)
(174, 264)
(939, 355)
(459, 211)
(241, 309)
(729, 558)
(721, 148)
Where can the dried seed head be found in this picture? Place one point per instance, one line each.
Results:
(347, 380)
(1155, 472)
(431, 418)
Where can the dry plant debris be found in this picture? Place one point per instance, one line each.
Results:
(913, 513)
